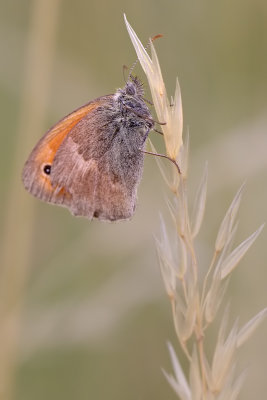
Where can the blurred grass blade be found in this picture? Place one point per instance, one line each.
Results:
(172, 210)
(183, 259)
(176, 121)
(142, 55)
(183, 156)
(194, 377)
(214, 297)
(18, 226)
(224, 323)
(247, 330)
(179, 384)
(233, 259)
(179, 390)
(167, 272)
(166, 259)
(177, 367)
(160, 163)
(237, 386)
(226, 248)
(228, 221)
(207, 369)
(188, 324)
(200, 202)
(224, 358)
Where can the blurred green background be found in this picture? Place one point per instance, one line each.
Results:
(91, 316)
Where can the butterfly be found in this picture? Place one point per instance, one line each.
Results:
(91, 161)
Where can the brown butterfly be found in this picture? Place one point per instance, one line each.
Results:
(92, 160)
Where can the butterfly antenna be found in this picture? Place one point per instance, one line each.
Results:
(124, 69)
(146, 48)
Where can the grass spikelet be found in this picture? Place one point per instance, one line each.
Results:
(200, 201)
(238, 253)
(195, 377)
(178, 382)
(170, 114)
(195, 301)
(228, 221)
(248, 329)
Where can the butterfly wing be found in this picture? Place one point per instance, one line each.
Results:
(86, 154)
(35, 180)
(98, 165)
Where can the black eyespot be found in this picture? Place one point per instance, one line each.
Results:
(47, 169)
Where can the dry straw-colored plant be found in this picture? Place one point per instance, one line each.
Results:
(19, 215)
(195, 302)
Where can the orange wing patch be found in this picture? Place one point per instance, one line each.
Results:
(35, 180)
(55, 136)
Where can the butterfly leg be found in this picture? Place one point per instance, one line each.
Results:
(163, 156)
(155, 130)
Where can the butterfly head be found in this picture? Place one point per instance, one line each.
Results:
(134, 87)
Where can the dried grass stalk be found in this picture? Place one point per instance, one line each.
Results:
(195, 303)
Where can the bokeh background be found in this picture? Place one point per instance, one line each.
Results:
(83, 312)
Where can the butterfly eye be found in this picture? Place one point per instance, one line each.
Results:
(130, 89)
(47, 169)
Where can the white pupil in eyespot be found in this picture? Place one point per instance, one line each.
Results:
(47, 169)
